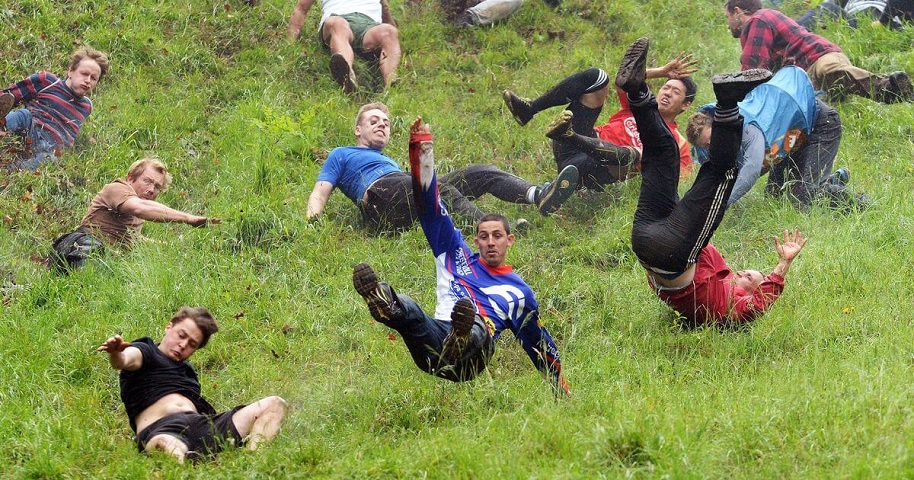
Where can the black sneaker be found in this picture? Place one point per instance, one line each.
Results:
(462, 318)
(730, 88)
(519, 107)
(381, 300)
(552, 195)
(561, 127)
(342, 73)
(521, 227)
(7, 100)
(900, 87)
(633, 69)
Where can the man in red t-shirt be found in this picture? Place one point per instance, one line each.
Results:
(670, 236)
(609, 153)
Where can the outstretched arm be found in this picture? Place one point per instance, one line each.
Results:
(788, 249)
(298, 18)
(681, 66)
(121, 355)
(318, 198)
(541, 349)
(157, 212)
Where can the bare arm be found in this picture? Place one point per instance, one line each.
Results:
(318, 198)
(788, 249)
(297, 21)
(156, 212)
(681, 66)
(121, 355)
(386, 17)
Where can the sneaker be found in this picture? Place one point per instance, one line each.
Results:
(381, 300)
(551, 196)
(731, 88)
(342, 73)
(862, 201)
(519, 107)
(7, 100)
(521, 227)
(561, 127)
(900, 88)
(840, 177)
(633, 68)
(462, 318)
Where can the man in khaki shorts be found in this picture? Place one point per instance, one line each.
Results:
(348, 27)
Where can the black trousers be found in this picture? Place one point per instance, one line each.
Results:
(668, 234)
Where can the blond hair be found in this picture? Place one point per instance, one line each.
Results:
(371, 106)
(88, 52)
(140, 165)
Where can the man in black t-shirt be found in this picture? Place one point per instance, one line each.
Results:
(162, 396)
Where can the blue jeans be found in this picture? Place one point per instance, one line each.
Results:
(42, 147)
(424, 337)
(804, 173)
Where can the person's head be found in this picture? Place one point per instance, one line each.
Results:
(372, 126)
(745, 282)
(87, 67)
(675, 97)
(493, 237)
(149, 177)
(698, 130)
(188, 331)
(738, 11)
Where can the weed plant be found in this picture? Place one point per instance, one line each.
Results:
(819, 387)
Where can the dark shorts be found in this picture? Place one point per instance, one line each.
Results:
(205, 434)
(70, 251)
(359, 23)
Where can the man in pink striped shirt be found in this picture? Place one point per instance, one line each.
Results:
(53, 110)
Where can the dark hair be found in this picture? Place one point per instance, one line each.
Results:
(747, 6)
(494, 217)
(201, 317)
(88, 52)
(691, 88)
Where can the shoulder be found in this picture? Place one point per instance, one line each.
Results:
(117, 187)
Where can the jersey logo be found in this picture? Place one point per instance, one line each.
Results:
(513, 296)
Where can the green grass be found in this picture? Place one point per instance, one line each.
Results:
(818, 387)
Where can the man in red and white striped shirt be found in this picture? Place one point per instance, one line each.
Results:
(54, 109)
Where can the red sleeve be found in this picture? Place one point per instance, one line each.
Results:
(745, 308)
(26, 89)
(756, 42)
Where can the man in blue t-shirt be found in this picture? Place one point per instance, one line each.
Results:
(384, 192)
(478, 292)
(788, 131)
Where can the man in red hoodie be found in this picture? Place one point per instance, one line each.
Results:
(670, 236)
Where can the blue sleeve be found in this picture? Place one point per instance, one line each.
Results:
(332, 168)
(433, 216)
(750, 160)
(536, 341)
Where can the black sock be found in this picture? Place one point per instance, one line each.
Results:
(571, 88)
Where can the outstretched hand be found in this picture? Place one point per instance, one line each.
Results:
(113, 345)
(419, 126)
(681, 66)
(790, 246)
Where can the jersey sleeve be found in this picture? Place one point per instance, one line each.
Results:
(536, 341)
(433, 216)
(27, 88)
(332, 168)
(746, 308)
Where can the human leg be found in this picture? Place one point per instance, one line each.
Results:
(423, 335)
(590, 87)
(834, 73)
(813, 162)
(389, 204)
(338, 36)
(491, 11)
(386, 39)
(475, 181)
(260, 421)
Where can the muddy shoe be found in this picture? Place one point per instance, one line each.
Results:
(633, 68)
(900, 88)
(7, 100)
(381, 300)
(462, 317)
(561, 127)
(730, 88)
(519, 107)
(342, 73)
(551, 196)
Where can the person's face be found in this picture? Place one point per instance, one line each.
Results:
(148, 184)
(84, 77)
(373, 130)
(704, 138)
(748, 280)
(735, 21)
(493, 241)
(671, 99)
(181, 340)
